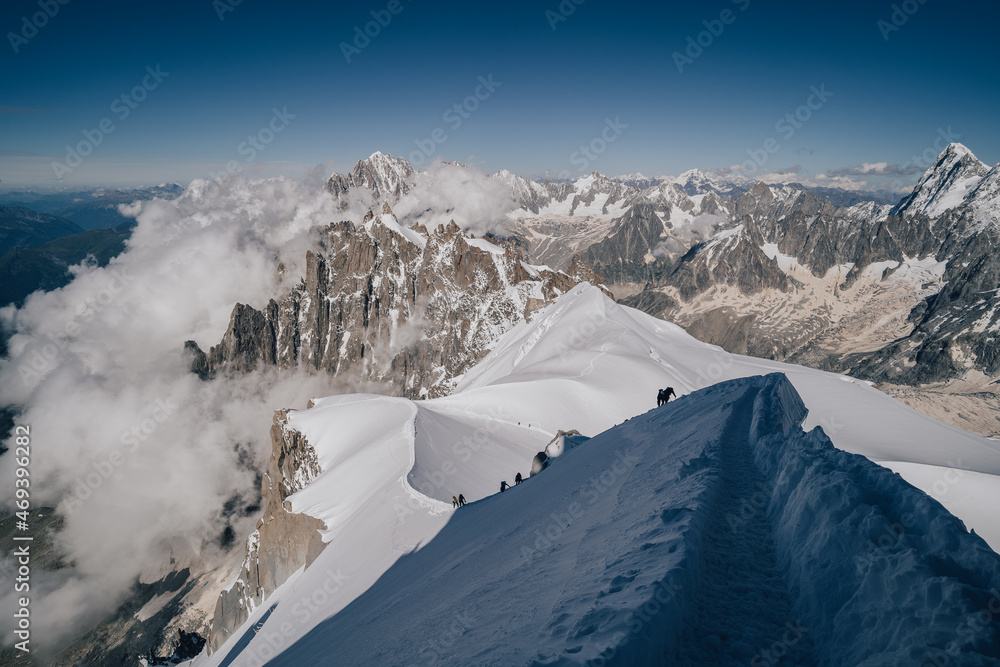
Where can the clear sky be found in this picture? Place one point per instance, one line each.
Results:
(561, 72)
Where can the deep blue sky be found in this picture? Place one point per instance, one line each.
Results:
(607, 59)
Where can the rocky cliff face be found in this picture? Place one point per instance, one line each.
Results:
(955, 329)
(733, 257)
(282, 542)
(382, 302)
(624, 255)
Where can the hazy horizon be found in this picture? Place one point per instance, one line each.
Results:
(848, 95)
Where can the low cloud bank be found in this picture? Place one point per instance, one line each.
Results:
(137, 453)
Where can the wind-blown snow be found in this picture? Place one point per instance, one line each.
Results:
(483, 244)
(390, 222)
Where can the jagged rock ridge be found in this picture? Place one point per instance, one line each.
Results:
(388, 303)
(283, 541)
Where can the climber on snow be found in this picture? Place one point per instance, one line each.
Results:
(664, 395)
(461, 500)
(503, 486)
(454, 501)
(517, 478)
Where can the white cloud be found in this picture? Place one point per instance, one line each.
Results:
(877, 169)
(682, 237)
(102, 359)
(449, 191)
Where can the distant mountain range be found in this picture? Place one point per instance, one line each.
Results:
(892, 290)
(901, 291)
(90, 209)
(42, 238)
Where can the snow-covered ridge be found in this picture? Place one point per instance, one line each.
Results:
(389, 221)
(639, 240)
(390, 467)
(946, 184)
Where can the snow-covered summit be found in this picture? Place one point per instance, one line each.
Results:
(698, 182)
(387, 177)
(945, 184)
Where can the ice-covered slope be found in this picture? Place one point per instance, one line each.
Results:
(389, 466)
(710, 532)
(622, 355)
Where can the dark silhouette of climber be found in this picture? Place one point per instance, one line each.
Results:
(503, 486)
(517, 478)
(664, 395)
(461, 500)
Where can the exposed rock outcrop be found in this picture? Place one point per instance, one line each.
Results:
(283, 542)
(382, 302)
(388, 303)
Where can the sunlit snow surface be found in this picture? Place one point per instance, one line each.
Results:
(390, 467)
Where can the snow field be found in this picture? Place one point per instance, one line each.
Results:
(623, 577)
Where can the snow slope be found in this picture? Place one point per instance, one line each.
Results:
(418, 582)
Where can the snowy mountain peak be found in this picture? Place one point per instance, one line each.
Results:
(690, 174)
(945, 185)
(956, 151)
(698, 182)
(639, 180)
(381, 173)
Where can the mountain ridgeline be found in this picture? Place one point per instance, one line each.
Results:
(842, 281)
(387, 303)
(904, 292)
